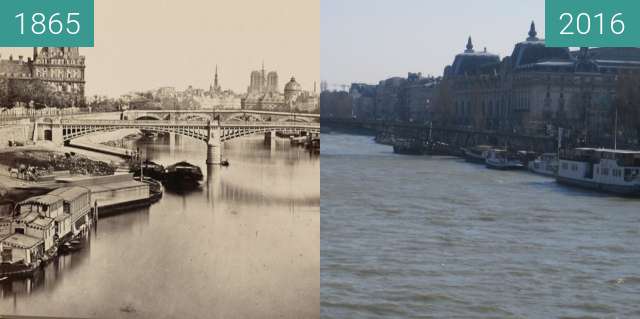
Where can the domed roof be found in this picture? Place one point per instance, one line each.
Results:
(534, 50)
(292, 85)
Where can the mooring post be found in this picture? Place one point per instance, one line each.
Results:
(95, 213)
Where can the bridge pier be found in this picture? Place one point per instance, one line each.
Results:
(272, 141)
(214, 146)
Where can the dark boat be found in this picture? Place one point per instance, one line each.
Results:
(313, 145)
(183, 174)
(408, 147)
(71, 246)
(150, 169)
(437, 148)
(150, 135)
(224, 163)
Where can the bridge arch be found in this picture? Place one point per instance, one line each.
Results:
(148, 117)
(73, 133)
(296, 119)
(229, 134)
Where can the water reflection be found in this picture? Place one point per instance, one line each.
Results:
(244, 244)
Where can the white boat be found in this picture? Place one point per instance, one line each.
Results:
(476, 154)
(545, 164)
(608, 170)
(501, 159)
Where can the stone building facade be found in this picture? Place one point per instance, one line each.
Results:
(537, 88)
(408, 99)
(61, 69)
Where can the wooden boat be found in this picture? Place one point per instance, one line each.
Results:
(149, 168)
(183, 174)
(408, 147)
(437, 148)
(224, 163)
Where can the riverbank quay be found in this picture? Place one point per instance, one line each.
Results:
(455, 136)
(102, 148)
(106, 143)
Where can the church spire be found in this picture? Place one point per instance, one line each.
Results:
(215, 79)
(469, 46)
(532, 32)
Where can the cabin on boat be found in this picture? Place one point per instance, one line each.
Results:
(20, 248)
(36, 217)
(111, 190)
(5, 226)
(605, 166)
(76, 205)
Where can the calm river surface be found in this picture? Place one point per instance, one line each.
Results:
(245, 245)
(407, 237)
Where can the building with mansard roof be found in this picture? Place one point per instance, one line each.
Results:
(61, 69)
(538, 88)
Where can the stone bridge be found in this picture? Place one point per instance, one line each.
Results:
(222, 115)
(214, 133)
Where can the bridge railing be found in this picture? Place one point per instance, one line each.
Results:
(136, 122)
(27, 113)
(187, 123)
(291, 114)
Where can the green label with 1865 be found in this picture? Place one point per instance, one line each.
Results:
(27, 23)
(592, 23)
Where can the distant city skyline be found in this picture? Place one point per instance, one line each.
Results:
(181, 43)
(371, 40)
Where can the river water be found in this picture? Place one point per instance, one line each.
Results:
(244, 245)
(408, 237)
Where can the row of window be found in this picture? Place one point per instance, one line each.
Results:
(59, 73)
(60, 61)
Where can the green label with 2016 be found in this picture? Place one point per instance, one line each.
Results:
(592, 23)
(31, 23)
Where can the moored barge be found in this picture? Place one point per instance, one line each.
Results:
(607, 170)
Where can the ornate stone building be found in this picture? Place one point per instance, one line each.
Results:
(537, 88)
(61, 69)
(263, 94)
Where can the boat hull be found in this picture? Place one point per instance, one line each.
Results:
(408, 150)
(504, 167)
(607, 188)
(542, 172)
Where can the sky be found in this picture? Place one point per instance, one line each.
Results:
(371, 40)
(145, 44)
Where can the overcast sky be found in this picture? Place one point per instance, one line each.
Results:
(370, 40)
(143, 44)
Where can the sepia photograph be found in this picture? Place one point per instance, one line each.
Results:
(170, 171)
